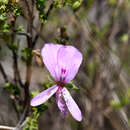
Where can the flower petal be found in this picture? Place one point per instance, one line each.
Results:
(44, 96)
(61, 103)
(69, 60)
(49, 56)
(72, 106)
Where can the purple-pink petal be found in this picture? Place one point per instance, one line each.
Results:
(60, 102)
(49, 56)
(69, 60)
(44, 96)
(62, 61)
(72, 106)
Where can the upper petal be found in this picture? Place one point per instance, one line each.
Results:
(44, 96)
(72, 106)
(69, 60)
(49, 56)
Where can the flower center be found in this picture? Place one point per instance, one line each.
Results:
(63, 71)
(60, 88)
(63, 74)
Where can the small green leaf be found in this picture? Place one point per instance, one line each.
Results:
(5, 28)
(116, 105)
(112, 2)
(71, 86)
(4, 1)
(20, 28)
(17, 9)
(76, 4)
(32, 121)
(125, 37)
(34, 93)
(27, 55)
(48, 84)
(12, 88)
(3, 16)
(13, 47)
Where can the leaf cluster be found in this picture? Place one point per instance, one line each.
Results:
(32, 121)
(75, 4)
(12, 88)
(41, 5)
(27, 55)
(8, 12)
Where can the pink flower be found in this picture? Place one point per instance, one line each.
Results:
(63, 63)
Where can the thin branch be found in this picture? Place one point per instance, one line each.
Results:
(38, 33)
(31, 44)
(6, 127)
(15, 108)
(28, 66)
(28, 8)
(3, 73)
(20, 124)
(17, 77)
(22, 33)
(17, 33)
(50, 8)
(16, 69)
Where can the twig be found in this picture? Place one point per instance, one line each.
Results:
(15, 32)
(50, 8)
(16, 70)
(3, 73)
(31, 44)
(28, 66)
(17, 76)
(38, 33)
(28, 9)
(21, 122)
(6, 127)
(22, 33)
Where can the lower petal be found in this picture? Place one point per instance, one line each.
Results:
(61, 103)
(44, 96)
(72, 106)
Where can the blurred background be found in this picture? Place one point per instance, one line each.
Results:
(100, 29)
